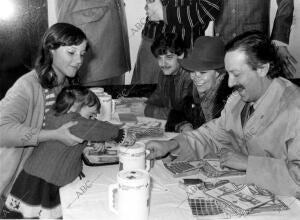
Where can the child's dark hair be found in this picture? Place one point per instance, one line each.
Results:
(75, 94)
(168, 42)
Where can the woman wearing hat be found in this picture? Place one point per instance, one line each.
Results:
(210, 88)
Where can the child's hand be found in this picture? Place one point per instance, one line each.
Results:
(99, 147)
(129, 139)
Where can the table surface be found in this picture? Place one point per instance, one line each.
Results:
(88, 198)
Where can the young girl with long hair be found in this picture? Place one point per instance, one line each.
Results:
(22, 110)
(35, 193)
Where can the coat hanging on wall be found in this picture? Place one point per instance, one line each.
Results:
(104, 22)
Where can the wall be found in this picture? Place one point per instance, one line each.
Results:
(135, 19)
(51, 12)
(136, 14)
(20, 35)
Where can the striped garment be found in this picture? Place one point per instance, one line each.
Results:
(188, 18)
(49, 101)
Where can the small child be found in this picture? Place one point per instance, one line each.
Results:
(35, 193)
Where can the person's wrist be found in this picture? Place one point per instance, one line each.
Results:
(185, 126)
(121, 136)
(46, 135)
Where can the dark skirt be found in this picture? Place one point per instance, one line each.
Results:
(32, 197)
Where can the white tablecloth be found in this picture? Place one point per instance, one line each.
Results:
(88, 198)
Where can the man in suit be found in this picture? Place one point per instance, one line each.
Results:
(259, 129)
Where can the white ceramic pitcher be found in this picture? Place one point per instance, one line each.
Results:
(133, 157)
(129, 197)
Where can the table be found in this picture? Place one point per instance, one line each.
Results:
(88, 198)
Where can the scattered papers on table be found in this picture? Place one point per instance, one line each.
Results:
(244, 199)
(229, 199)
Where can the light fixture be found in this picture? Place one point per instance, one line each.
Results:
(7, 9)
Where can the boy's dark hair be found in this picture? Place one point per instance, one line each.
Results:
(75, 94)
(168, 42)
(259, 50)
(59, 34)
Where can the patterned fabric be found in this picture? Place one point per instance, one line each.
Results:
(128, 139)
(49, 101)
(245, 199)
(227, 199)
(32, 197)
(188, 18)
(146, 132)
(203, 207)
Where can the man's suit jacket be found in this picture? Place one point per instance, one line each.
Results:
(270, 138)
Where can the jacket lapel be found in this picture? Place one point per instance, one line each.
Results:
(266, 110)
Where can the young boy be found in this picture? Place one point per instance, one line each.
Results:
(174, 83)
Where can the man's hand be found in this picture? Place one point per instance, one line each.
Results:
(154, 10)
(63, 134)
(159, 149)
(185, 127)
(234, 160)
(289, 61)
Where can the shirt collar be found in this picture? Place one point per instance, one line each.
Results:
(268, 92)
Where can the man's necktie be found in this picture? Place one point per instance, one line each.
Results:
(246, 113)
